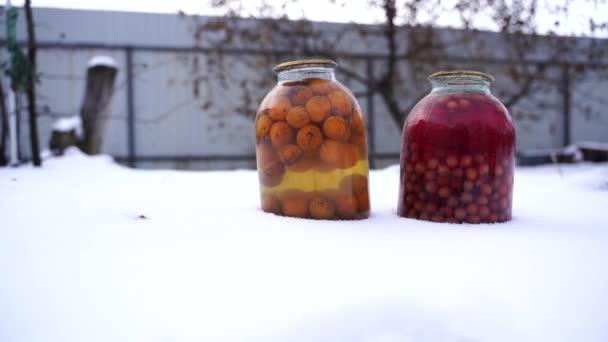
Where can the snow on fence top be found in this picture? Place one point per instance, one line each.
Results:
(593, 145)
(102, 61)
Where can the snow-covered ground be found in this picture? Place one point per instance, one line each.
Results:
(91, 251)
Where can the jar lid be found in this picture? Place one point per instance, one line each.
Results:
(465, 73)
(304, 63)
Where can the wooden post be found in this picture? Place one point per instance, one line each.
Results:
(96, 103)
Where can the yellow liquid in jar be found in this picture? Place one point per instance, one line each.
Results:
(314, 180)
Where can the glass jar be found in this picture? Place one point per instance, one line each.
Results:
(457, 153)
(311, 145)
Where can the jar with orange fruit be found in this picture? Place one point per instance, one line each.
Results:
(311, 146)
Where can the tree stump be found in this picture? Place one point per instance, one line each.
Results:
(60, 141)
(66, 132)
(94, 112)
(594, 151)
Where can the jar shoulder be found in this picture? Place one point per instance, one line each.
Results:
(461, 110)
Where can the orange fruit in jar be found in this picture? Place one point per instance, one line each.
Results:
(262, 127)
(335, 127)
(271, 174)
(320, 86)
(295, 206)
(309, 138)
(279, 108)
(339, 154)
(271, 204)
(330, 152)
(355, 184)
(265, 154)
(318, 108)
(304, 163)
(270, 169)
(361, 142)
(363, 201)
(346, 206)
(357, 126)
(340, 102)
(324, 167)
(350, 155)
(289, 153)
(321, 208)
(297, 117)
(300, 94)
(281, 134)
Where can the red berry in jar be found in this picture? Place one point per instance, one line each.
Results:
(451, 161)
(443, 192)
(466, 160)
(459, 146)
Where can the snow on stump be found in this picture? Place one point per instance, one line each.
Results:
(94, 112)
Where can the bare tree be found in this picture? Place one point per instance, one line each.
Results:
(413, 45)
(31, 86)
(3, 126)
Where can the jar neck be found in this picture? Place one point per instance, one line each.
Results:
(299, 74)
(460, 83)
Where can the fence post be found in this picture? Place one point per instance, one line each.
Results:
(566, 103)
(131, 158)
(370, 113)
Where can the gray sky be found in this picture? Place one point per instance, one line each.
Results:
(576, 22)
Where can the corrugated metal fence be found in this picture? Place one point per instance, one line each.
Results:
(171, 111)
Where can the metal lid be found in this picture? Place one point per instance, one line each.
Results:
(305, 63)
(465, 73)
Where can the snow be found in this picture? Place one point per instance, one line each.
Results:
(571, 150)
(102, 61)
(92, 251)
(575, 151)
(68, 124)
(596, 145)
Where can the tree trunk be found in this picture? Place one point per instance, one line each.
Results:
(95, 106)
(3, 127)
(18, 107)
(31, 85)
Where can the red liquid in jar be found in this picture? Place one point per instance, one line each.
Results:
(457, 160)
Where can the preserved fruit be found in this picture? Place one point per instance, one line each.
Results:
(311, 146)
(458, 151)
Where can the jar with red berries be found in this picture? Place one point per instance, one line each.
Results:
(458, 153)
